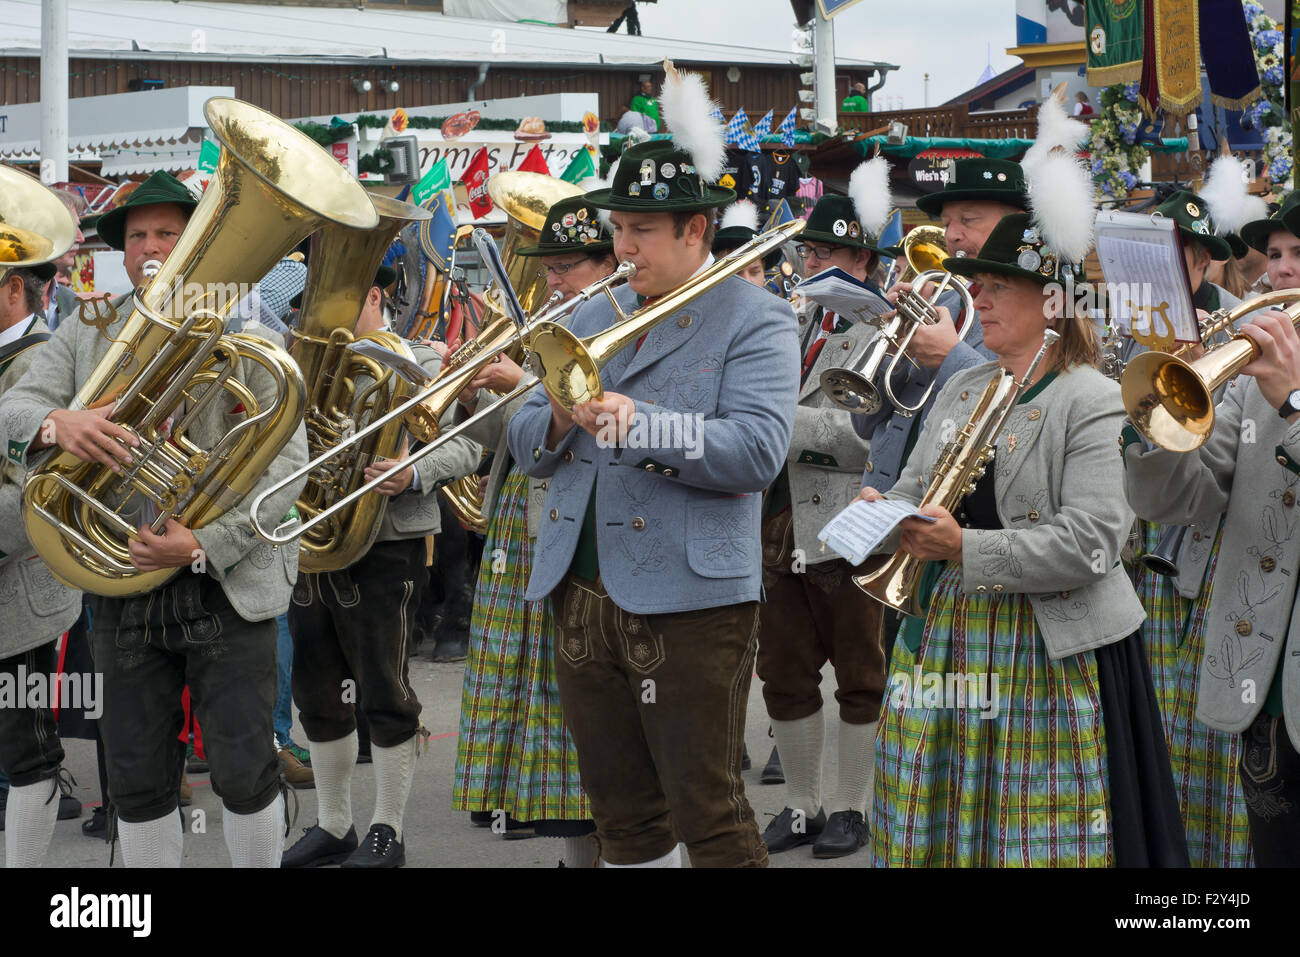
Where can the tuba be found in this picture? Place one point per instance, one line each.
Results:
(526, 198)
(171, 358)
(346, 391)
(895, 579)
(35, 226)
(853, 387)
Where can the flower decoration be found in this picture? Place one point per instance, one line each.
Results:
(1267, 114)
(1116, 155)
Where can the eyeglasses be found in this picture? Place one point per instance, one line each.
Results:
(820, 253)
(561, 269)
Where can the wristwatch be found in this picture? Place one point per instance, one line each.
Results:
(1291, 405)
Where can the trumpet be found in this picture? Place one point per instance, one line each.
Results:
(853, 386)
(1171, 400)
(896, 578)
(568, 367)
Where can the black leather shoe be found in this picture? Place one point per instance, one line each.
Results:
(452, 648)
(773, 773)
(318, 847)
(96, 824)
(745, 763)
(845, 832)
(381, 848)
(69, 808)
(781, 834)
(480, 818)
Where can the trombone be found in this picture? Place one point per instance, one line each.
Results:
(568, 368)
(853, 386)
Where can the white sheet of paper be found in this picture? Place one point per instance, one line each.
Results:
(837, 291)
(1143, 266)
(857, 531)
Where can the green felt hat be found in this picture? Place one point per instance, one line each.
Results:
(733, 237)
(834, 221)
(978, 177)
(658, 177)
(161, 187)
(1015, 248)
(572, 226)
(1192, 215)
(1287, 216)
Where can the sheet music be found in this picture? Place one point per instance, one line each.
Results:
(858, 531)
(1146, 279)
(837, 291)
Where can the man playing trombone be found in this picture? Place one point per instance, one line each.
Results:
(650, 555)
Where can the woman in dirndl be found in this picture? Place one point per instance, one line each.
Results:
(1019, 727)
(516, 765)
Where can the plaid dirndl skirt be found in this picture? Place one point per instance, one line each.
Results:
(1024, 786)
(1204, 761)
(514, 753)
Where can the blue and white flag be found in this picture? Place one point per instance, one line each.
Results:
(786, 129)
(737, 128)
(764, 126)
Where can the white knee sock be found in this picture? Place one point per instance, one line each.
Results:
(800, 743)
(257, 839)
(672, 859)
(332, 763)
(394, 771)
(29, 822)
(579, 852)
(156, 843)
(857, 752)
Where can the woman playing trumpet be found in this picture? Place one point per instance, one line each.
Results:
(993, 747)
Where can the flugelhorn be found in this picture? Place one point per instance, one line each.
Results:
(895, 579)
(171, 359)
(1171, 400)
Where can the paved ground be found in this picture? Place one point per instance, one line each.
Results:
(436, 836)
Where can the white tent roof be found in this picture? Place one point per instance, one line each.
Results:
(197, 30)
(170, 119)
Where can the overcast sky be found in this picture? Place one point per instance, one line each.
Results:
(952, 40)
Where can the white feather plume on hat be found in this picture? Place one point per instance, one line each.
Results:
(740, 213)
(1224, 192)
(597, 182)
(1062, 201)
(687, 112)
(1056, 130)
(869, 191)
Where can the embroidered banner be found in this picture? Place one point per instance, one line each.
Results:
(1114, 31)
(1173, 83)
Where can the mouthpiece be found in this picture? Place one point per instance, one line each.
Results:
(150, 268)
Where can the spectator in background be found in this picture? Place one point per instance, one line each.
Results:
(644, 103)
(1082, 107)
(856, 101)
(61, 300)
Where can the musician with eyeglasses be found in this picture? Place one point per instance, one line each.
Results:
(352, 628)
(35, 608)
(212, 625)
(515, 758)
(1002, 738)
(813, 613)
(649, 542)
(1248, 472)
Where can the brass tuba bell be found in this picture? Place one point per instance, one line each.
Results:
(171, 358)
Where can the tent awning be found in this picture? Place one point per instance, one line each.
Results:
(117, 121)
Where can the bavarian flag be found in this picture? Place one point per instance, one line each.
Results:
(1114, 34)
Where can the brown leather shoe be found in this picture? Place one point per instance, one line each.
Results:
(296, 774)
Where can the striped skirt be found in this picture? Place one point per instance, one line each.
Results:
(1020, 783)
(1204, 760)
(514, 752)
